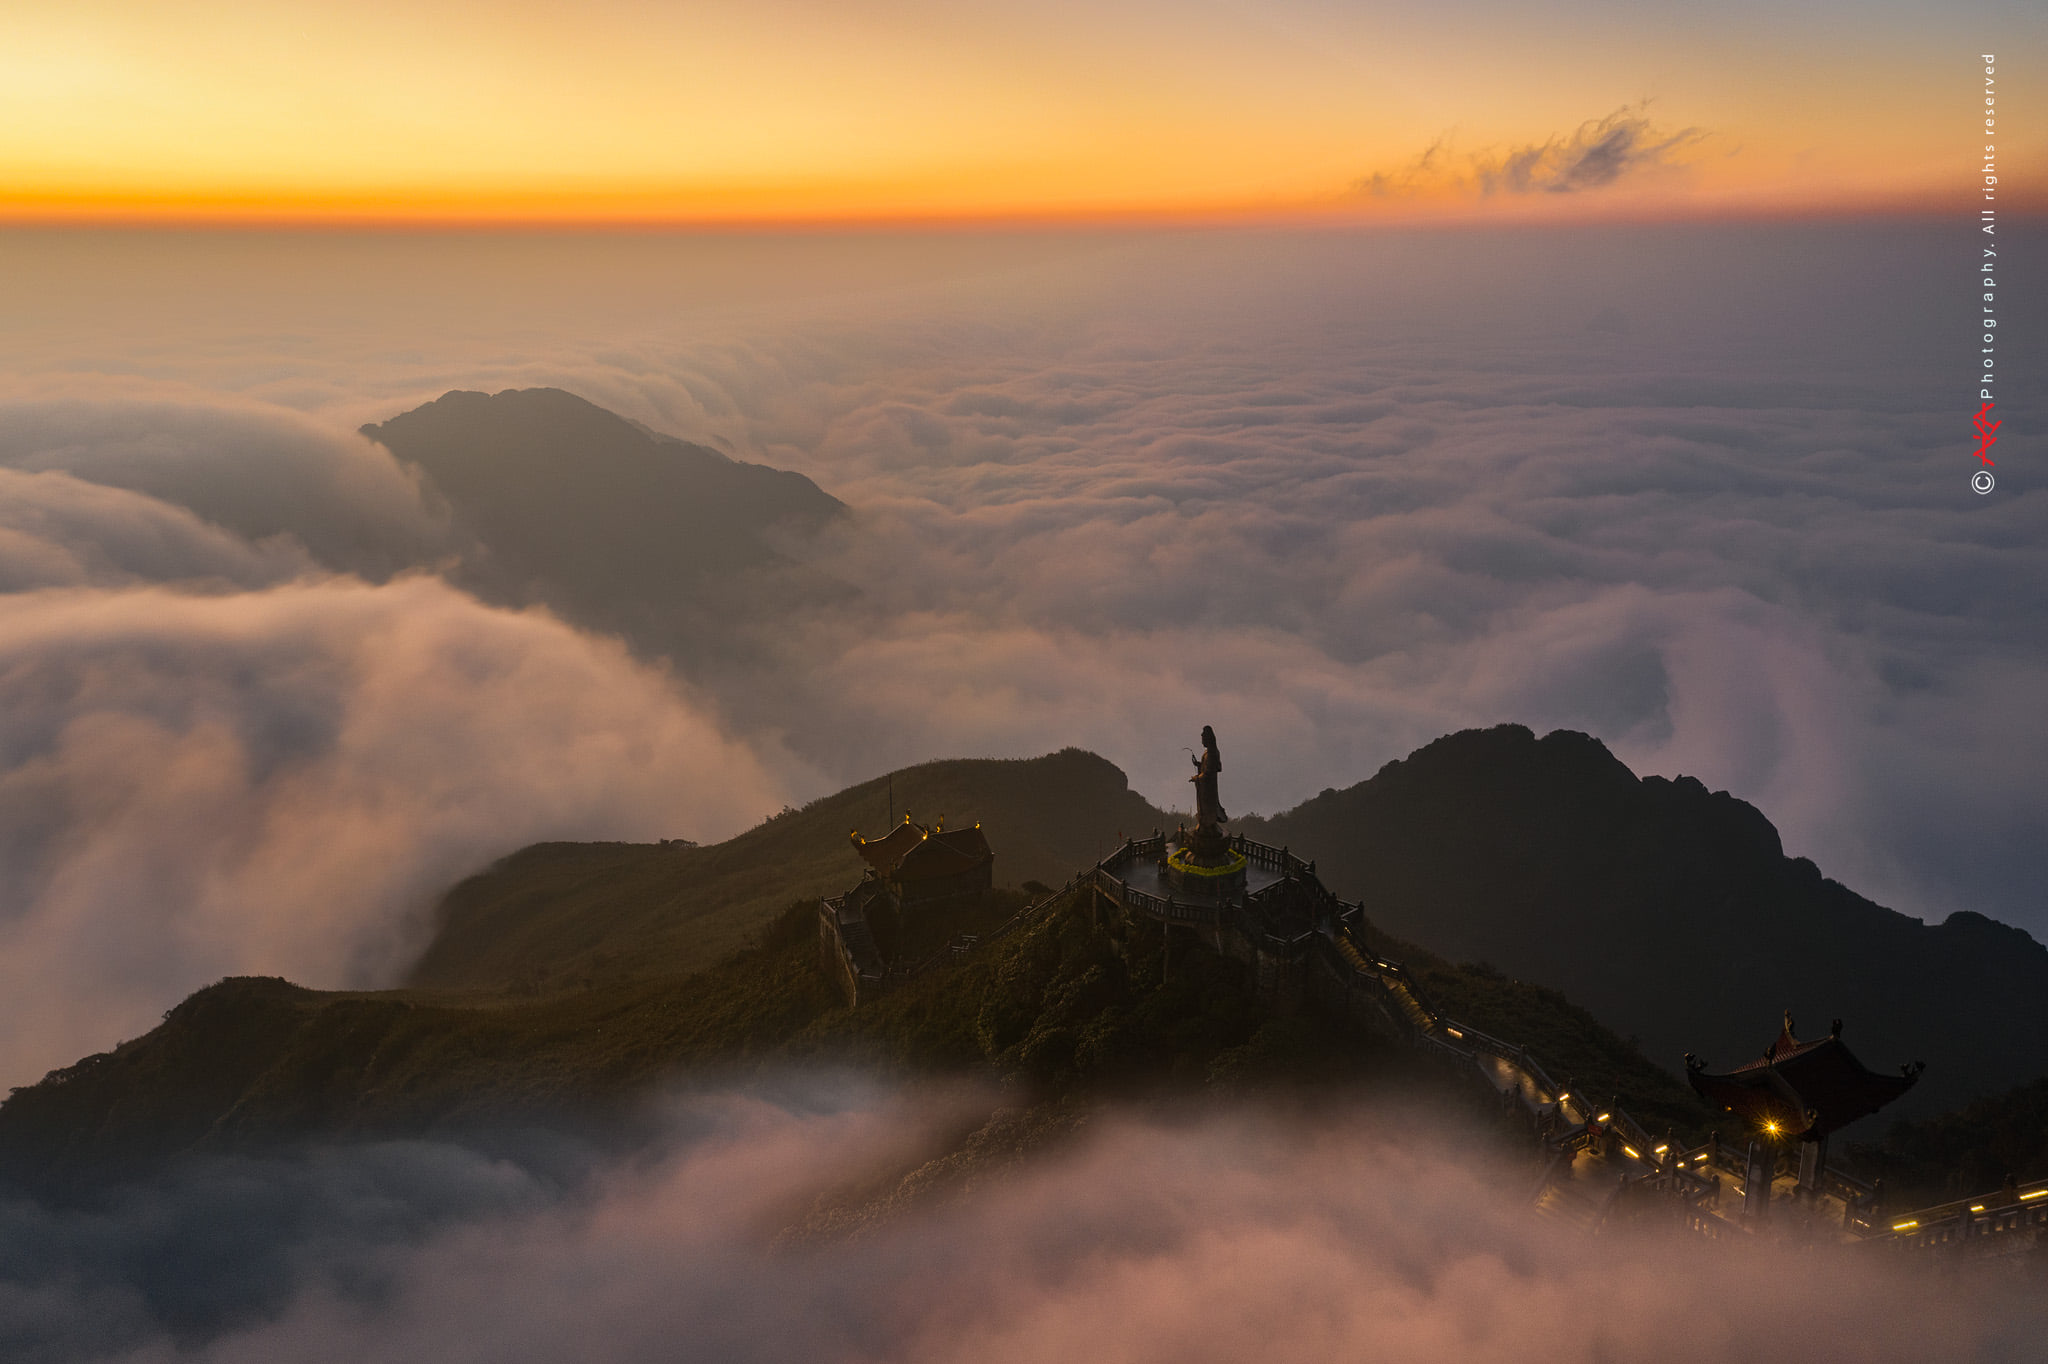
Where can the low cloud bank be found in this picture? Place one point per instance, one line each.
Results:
(243, 729)
(264, 474)
(1361, 1234)
(57, 530)
(281, 781)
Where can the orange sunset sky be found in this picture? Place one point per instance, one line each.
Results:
(785, 110)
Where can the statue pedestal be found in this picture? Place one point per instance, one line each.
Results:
(1205, 867)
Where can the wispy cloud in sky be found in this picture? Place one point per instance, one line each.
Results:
(1598, 153)
(795, 111)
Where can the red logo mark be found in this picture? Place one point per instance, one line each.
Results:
(1985, 440)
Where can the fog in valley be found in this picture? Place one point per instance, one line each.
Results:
(1376, 1233)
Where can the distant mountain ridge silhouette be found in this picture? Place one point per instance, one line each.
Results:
(614, 525)
(1668, 911)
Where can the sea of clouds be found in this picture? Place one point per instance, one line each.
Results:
(1700, 490)
(1350, 1234)
(245, 728)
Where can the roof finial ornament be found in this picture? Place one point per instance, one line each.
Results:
(1805, 1089)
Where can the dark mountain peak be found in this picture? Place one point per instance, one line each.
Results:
(1717, 814)
(1504, 775)
(564, 441)
(528, 415)
(610, 523)
(1668, 909)
(1567, 775)
(521, 422)
(238, 991)
(1513, 754)
(1969, 926)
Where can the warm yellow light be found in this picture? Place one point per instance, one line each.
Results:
(1631, 1153)
(2038, 1193)
(799, 111)
(1772, 1128)
(1603, 1117)
(1904, 1226)
(1453, 1032)
(1662, 1149)
(1976, 1207)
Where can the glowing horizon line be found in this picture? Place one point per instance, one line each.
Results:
(386, 216)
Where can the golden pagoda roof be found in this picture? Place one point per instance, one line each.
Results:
(914, 852)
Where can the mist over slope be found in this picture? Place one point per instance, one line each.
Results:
(1670, 912)
(281, 779)
(255, 717)
(1366, 1232)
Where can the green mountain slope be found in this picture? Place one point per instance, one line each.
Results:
(250, 1062)
(1058, 1012)
(561, 914)
(570, 979)
(1671, 913)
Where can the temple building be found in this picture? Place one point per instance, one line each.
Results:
(1802, 1090)
(918, 880)
(926, 867)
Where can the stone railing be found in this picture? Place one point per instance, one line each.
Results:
(1563, 1119)
(2014, 1218)
(1166, 908)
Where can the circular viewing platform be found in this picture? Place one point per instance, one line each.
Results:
(1258, 904)
(1154, 876)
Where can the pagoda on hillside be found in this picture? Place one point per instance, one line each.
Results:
(1803, 1090)
(920, 880)
(932, 866)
